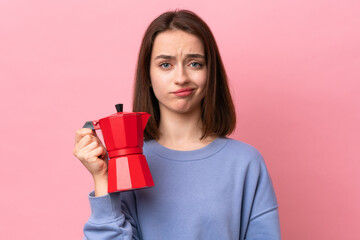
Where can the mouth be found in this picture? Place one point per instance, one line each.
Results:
(183, 92)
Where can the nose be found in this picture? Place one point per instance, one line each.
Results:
(181, 76)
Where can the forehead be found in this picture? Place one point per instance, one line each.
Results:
(175, 42)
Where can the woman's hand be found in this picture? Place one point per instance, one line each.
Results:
(93, 155)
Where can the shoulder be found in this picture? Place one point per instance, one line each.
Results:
(243, 151)
(256, 174)
(244, 156)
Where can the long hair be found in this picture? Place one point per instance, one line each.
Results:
(217, 108)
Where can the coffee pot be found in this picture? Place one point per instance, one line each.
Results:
(123, 136)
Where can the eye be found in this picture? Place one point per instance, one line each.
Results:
(196, 64)
(165, 65)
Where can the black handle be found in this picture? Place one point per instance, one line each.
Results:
(89, 124)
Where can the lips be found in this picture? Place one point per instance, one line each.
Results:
(183, 92)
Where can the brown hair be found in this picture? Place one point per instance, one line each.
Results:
(217, 108)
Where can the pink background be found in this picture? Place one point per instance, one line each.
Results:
(294, 69)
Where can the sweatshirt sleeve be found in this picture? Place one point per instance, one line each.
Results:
(265, 226)
(111, 218)
(264, 217)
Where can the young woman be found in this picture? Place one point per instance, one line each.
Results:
(207, 186)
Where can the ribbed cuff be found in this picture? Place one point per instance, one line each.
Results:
(105, 208)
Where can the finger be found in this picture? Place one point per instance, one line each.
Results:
(92, 155)
(86, 140)
(85, 153)
(80, 133)
(90, 146)
(99, 151)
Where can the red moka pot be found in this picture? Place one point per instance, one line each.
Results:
(123, 135)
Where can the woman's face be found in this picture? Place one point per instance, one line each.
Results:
(178, 71)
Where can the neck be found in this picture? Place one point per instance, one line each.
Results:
(182, 131)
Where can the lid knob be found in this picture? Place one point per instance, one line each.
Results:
(119, 107)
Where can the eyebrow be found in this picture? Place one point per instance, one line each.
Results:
(194, 55)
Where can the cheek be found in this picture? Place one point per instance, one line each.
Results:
(202, 84)
(158, 87)
(201, 79)
(156, 91)
(154, 81)
(159, 82)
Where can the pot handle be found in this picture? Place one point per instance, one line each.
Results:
(93, 125)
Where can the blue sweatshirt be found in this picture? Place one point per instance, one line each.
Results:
(221, 192)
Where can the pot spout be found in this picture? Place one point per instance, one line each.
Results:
(144, 118)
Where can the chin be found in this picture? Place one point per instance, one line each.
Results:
(182, 107)
(185, 109)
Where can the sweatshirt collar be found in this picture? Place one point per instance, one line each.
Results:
(204, 152)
